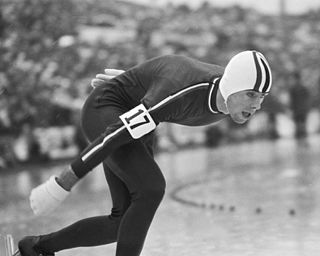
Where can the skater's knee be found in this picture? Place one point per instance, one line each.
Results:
(116, 218)
(118, 211)
(152, 191)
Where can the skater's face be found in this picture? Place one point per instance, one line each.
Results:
(243, 105)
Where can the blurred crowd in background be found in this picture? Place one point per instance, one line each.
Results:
(50, 50)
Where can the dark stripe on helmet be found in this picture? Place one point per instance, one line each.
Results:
(267, 82)
(259, 73)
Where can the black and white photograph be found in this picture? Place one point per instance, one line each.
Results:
(159, 128)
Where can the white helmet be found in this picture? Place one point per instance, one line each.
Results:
(247, 70)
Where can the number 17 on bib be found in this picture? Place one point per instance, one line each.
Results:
(138, 121)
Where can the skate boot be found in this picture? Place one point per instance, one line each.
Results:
(28, 246)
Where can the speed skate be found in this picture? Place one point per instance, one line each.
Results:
(7, 246)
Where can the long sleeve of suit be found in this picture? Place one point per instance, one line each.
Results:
(172, 88)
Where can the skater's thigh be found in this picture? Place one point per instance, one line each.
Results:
(134, 164)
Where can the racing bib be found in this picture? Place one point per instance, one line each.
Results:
(138, 121)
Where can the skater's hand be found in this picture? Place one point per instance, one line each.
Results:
(47, 197)
(101, 79)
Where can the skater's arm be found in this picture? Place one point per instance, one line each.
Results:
(134, 124)
(97, 151)
(93, 155)
(67, 179)
(47, 196)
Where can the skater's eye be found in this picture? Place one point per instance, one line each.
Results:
(251, 94)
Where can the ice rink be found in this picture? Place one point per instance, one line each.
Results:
(259, 198)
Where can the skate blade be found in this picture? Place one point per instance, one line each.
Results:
(7, 246)
(16, 253)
